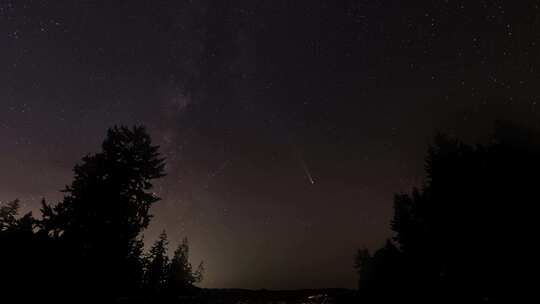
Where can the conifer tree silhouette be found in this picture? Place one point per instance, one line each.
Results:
(181, 276)
(449, 233)
(104, 210)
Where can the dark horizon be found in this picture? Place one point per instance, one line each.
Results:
(287, 125)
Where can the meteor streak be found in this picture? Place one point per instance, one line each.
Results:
(306, 171)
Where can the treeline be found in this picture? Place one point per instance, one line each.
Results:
(467, 234)
(88, 247)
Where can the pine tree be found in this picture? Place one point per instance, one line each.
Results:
(157, 266)
(181, 275)
(105, 209)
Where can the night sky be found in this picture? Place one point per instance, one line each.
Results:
(287, 125)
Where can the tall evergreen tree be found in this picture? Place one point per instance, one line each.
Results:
(449, 232)
(181, 276)
(105, 208)
(157, 266)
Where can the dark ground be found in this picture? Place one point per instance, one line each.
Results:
(245, 296)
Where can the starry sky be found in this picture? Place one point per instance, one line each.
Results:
(287, 125)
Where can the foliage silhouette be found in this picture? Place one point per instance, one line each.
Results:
(462, 236)
(170, 277)
(181, 277)
(106, 207)
(157, 266)
(88, 248)
(88, 245)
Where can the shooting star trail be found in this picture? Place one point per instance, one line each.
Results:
(306, 171)
(298, 154)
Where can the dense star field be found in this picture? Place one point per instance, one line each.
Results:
(287, 125)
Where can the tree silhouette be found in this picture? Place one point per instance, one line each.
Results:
(157, 267)
(88, 248)
(451, 233)
(11, 224)
(181, 276)
(104, 210)
(17, 245)
(170, 277)
(8, 215)
(381, 273)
